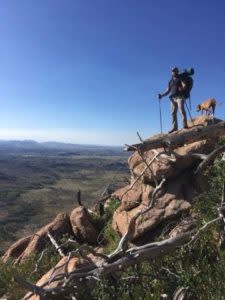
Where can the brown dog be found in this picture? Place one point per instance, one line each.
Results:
(208, 106)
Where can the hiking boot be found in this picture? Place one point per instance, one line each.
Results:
(185, 127)
(172, 130)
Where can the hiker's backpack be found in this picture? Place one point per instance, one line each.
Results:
(186, 78)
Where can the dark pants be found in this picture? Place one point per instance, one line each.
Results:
(178, 103)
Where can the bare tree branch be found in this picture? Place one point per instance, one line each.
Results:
(223, 195)
(123, 244)
(106, 194)
(55, 244)
(84, 277)
(93, 252)
(140, 138)
(180, 293)
(88, 275)
(36, 290)
(144, 160)
(122, 257)
(209, 158)
(196, 235)
(177, 139)
(79, 198)
(170, 272)
(142, 173)
(38, 262)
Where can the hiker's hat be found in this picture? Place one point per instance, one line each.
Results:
(175, 69)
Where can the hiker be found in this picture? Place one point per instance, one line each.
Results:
(179, 88)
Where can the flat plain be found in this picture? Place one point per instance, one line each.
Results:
(38, 182)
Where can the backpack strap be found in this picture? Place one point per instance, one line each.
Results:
(188, 81)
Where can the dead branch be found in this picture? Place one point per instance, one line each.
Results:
(170, 272)
(106, 194)
(93, 252)
(36, 290)
(221, 212)
(144, 160)
(197, 155)
(140, 138)
(79, 197)
(180, 293)
(142, 173)
(167, 155)
(209, 158)
(153, 198)
(123, 244)
(196, 235)
(122, 257)
(148, 167)
(177, 139)
(223, 195)
(223, 157)
(87, 275)
(38, 262)
(163, 297)
(148, 164)
(55, 244)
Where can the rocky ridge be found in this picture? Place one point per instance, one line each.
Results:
(170, 216)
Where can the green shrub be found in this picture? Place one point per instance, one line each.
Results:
(111, 236)
(200, 266)
(8, 271)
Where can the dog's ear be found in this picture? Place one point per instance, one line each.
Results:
(198, 108)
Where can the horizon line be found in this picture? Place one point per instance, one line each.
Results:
(60, 142)
(92, 136)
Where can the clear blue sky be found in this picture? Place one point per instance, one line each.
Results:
(88, 71)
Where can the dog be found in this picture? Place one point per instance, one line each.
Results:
(208, 106)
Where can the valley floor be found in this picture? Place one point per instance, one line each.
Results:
(35, 187)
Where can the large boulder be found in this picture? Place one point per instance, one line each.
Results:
(61, 267)
(16, 249)
(129, 197)
(170, 166)
(28, 246)
(172, 202)
(83, 226)
(65, 265)
(183, 225)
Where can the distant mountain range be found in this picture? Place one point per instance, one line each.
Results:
(15, 146)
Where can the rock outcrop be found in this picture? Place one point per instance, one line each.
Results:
(175, 198)
(82, 226)
(182, 157)
(61, 267)
(181, 160)
(78, 225)
(34, 244)
(173, 202)
(170, 216)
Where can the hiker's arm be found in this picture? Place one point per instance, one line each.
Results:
(167, 91)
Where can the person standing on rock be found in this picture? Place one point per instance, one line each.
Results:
(178, 94)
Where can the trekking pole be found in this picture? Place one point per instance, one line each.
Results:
(160, 116)
(189, 113)
(190, 102)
